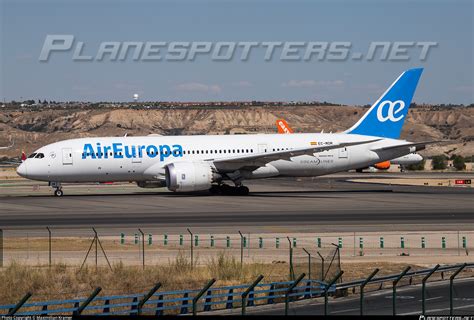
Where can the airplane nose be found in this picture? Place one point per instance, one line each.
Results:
(419, 157)
(21, 170)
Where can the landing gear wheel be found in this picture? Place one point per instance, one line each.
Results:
(227, 190)
(58, 193)
(242, 190)
(215, 189)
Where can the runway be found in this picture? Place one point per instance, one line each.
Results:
(324, 204)
(408, 302)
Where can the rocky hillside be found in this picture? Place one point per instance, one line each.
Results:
(32, 129)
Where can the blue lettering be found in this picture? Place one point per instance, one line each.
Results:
(140, 151)
(117, 148)
(178, 150)
(128, 154)
(152, 151)
(120, 151)
(165, 152)
(106, 151)
(88, 150)
(99, 151)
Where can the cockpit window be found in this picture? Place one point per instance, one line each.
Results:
(39, 156)
(32, 155)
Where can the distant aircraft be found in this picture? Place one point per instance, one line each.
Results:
(403, 161)
(8, 147)
(206, 162)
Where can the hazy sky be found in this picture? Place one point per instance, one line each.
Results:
(448, 75)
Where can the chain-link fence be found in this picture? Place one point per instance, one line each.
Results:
(40, 247)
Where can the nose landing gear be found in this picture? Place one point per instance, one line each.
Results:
(58, 192)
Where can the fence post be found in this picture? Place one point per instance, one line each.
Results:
(288, 291)
(19, 304)
(148, 296)
(309, 263)
(395, 282)
(451, 288)
(49, 247)
(322, 266)
(143, 247)
(326, 289)
(199, 295)
(292, 274)
(246, 293)
(241, 249)
(362, 287)
(423, 288)
(192, 247)
(1, 248)
(88, 300)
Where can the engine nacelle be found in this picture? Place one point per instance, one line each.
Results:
(385, 165)
(189, 176)
(151, 184)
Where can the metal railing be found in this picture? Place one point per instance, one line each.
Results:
(172, 302)
(211, 298)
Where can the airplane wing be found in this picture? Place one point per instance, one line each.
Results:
(261, 159)
(416, 146)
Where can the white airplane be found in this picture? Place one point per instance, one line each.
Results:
(205, 162)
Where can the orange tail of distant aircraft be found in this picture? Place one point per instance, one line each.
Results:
(283, 127)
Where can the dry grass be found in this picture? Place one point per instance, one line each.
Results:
(62, 281)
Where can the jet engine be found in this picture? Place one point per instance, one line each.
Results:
(189, 176)
(151, 184)
(385, 165)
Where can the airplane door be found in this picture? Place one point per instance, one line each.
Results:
(262, 148)
(343, 153)
(67, 156)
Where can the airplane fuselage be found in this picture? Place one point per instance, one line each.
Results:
(144, 158)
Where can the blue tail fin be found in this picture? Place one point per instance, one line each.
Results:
(386, 116)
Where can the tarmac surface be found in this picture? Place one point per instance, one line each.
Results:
(408, 302)
(329, 203)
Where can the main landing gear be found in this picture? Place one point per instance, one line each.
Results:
(58, 191)
(227, 190)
